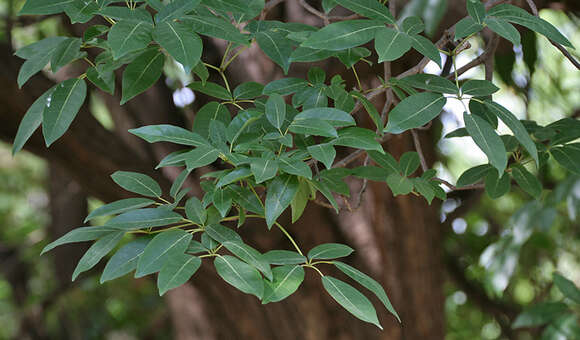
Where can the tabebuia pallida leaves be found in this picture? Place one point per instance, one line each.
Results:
(265, 151)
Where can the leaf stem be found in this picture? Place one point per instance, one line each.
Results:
(313, 267)
(226, 52)
(357, 78)
(238, 52)
(289, 237)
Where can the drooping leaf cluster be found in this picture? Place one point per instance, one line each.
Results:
(277, 142)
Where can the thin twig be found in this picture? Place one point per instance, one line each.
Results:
(364, 185)
(533, 7)
(561, 48)
(349, 159)
(419, 149)
(314, 11)
(454, 188)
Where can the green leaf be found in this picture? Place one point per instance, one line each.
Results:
(540, 314)
(144, 218)
(180, 41)
(175, 10)
(409, 163)
(359, 138)
(567, 287)
(496, 186)
(65, 52)
(391, 44)
(526, 180)
(476, 10)
(201, 156)
(373, 173)
(119, 206)
(217, 28)
(285, 86)
(342, 35)
(370, 108)
(125, 260)
(97, 251)
(351, 299)
(369, 8)
(62, 108)
(295, 167)
(230, 6)
(400, 185)
(211, 89)
(142, 73)
(196, 247)
(81, 234)
(323, 188)
(222, 234)
(276, 46)
(334, 117)
(240, 275)
(284, 257)
(124, 13)
(38, 54)
(385, 160)
(279, 196)
(222, 201)
(44, 7)
(128, 36)
(413, 25)
(286, 280)
(333, 179)
(467, 26)
(195, 211)
(473, 175)
(263, 169)
(352, 55)
(369, 283)
(103, 80)
(315, 127)
(306, 55)
(324, 153)
(431, 82)
(202, 72)
(521, 17)
(426, 48)
(276, 110)
(568, 156)
(516, 126)
(248, 90)
(138, 183)
(300, 200)
(504, 29)
(32, 66)
(246, 199)
(249, 255)
(177, 270)
(163, 246)
(44, 46)
(480, 88)
(415, 111)
(31, 121)
(329, 251)
(209, 112)
(234, 176)
(424, 188)
(487, 140)
(169, 133)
